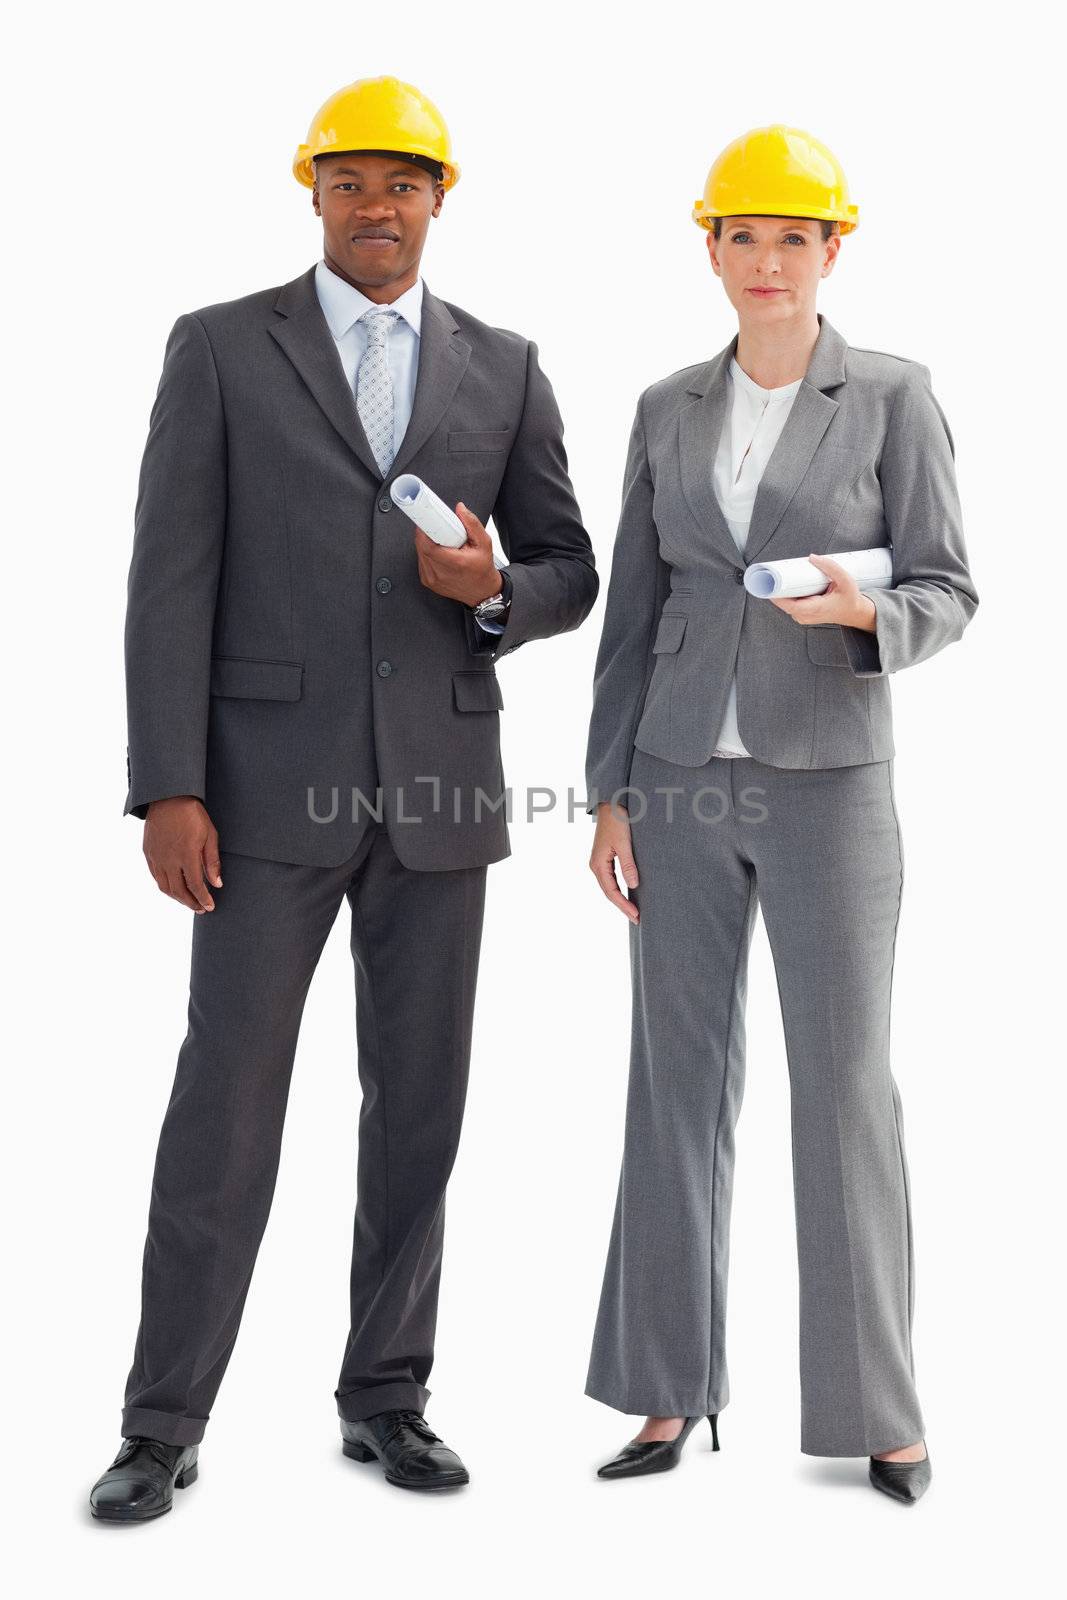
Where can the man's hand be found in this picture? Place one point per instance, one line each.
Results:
(612, 842)
(465, 574)
(181, 847)
(844, 601)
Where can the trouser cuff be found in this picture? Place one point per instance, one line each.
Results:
(169, 1427)
(363, 1403)
(872, 1445)
(652, 1405)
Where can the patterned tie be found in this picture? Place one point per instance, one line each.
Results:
(374, 386)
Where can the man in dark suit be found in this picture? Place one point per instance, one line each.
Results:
(314, 715)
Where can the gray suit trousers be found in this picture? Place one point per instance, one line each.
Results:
(415, 943)
(820, 851)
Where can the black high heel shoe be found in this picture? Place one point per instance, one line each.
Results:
(906, 1481)
(657, 1455)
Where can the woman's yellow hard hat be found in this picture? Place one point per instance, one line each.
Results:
(776, 172)
(377, 114)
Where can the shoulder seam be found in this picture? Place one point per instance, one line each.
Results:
(195, 317)
(694, 366)
(865, 350)
(494, 327)
(674, 378)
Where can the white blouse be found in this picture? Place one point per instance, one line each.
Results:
(753, 424)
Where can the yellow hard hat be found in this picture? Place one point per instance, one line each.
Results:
(776, 172)
(377, 114)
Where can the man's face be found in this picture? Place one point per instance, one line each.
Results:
(771, 267)
(375, 211)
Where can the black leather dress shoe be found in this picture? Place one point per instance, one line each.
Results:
(906, 1481)
(407, 1447)
(657, 1455)
(140, 1482)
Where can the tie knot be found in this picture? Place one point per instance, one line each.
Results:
(379, 321)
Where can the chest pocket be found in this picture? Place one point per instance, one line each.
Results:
(485, 439)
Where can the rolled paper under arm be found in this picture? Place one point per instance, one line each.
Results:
(789, 580)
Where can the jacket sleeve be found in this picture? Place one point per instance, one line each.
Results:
(640, 581)
(933, 597)
(179, 530)
(550, 557)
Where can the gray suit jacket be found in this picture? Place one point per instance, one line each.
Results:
(866, 457)
(278, 639)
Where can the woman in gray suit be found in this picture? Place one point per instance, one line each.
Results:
(741, 753)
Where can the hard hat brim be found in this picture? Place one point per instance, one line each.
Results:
(304, 170)
(848, 219)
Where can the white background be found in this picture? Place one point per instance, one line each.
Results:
(147, 173)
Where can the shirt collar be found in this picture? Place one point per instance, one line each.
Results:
(742, 379)
(342, 304)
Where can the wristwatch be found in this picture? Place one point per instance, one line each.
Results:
(491, 610)
(496, 606)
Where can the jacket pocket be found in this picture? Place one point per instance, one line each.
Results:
(477, 691)
(486, 439)
(669, 635)
(826, 644)
(248, 678)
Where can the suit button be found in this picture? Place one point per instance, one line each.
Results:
(739, 574)
(385, 504)
(383, 585)
(384, 668)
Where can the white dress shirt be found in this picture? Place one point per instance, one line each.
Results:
(342, 306)
(754, 421)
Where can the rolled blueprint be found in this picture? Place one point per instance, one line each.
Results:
(429, 512)
(788, 580)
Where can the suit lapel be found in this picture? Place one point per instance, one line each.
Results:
(306, 339)
(443, 358)
(809, 417)
(700, 425)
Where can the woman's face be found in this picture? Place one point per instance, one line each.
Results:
(771, 266)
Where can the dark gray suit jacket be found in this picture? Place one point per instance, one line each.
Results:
(278, 639)
(865, 458)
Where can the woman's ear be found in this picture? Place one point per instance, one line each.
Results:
(833, 245)
(713, 253)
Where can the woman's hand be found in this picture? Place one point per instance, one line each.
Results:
(612, 842)
(844, 601)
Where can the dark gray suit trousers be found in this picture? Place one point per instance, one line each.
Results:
(415, 942)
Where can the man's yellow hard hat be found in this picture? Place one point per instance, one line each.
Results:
(377, 114)
(776, 172)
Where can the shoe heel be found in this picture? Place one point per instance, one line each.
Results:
(714, 1431)
(184, 1479)
(357, 1452)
